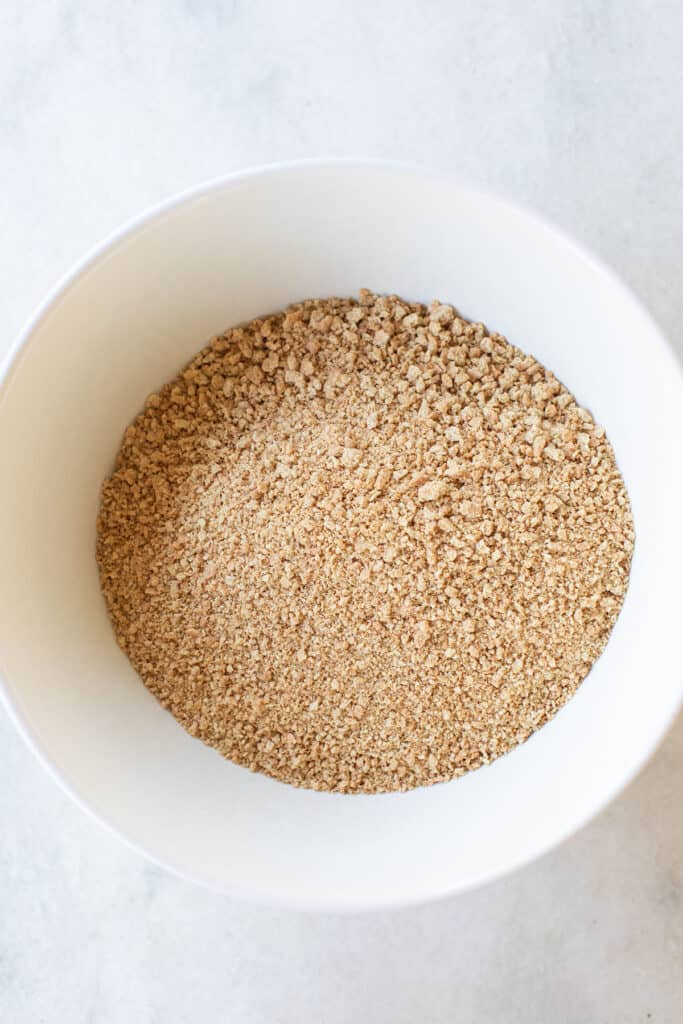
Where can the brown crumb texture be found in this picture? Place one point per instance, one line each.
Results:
(363, 545)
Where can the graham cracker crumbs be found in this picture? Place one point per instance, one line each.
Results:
(363, 545)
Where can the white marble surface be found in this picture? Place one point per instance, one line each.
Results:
(574, 108)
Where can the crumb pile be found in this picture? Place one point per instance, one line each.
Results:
(363, 545)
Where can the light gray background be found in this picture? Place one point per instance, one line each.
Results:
(574, 108)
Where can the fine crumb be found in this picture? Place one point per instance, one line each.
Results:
(363, 546)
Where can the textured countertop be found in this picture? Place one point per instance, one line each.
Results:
(573, 108)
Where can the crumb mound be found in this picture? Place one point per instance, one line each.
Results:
(363, 545)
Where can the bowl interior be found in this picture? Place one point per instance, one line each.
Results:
(123, 325)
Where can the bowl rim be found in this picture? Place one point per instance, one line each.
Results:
(264, 895)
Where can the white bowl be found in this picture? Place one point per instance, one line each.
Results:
(122, 324)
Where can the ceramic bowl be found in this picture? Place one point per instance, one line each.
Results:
(124, 322)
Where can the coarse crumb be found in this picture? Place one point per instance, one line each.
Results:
(363, 545)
